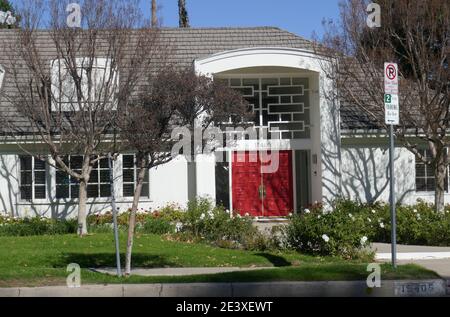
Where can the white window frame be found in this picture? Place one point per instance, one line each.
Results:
(426, 192)
(33, 181)
(70, 184)
(135, 175)
(59, 71)
(279, 76)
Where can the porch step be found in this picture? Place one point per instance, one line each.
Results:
(270, 219)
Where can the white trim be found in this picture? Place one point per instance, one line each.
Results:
(257, 57)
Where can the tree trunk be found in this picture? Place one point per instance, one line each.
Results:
(154, 16)
(132, 220)
(183, 14)
(82, 210)
(440, 175)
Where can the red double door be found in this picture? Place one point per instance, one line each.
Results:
(258, 193)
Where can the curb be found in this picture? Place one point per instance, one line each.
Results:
(396, 288)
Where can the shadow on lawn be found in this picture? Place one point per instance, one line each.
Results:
(276, 260)
(109, 260)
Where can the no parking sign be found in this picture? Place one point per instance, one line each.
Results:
(391, 104)
(391, 78)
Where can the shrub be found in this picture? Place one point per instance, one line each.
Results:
(36, 226)
(214, 224)
(336, 233)
(348, 221)
(171, 213)
(156, 225)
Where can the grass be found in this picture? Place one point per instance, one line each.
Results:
(42, 260)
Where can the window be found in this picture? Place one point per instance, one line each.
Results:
(105, 85)
(130, 173)
(279, 103)
(32, 178)
(425, 181)
(98, 186)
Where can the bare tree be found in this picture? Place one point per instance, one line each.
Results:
(206, 104)
(70, 82)
(175, 98)
(416, 35)
(183, 14)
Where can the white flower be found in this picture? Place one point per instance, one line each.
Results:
(363, 240)
(202, 216)
(418, 217)
(373, 211)
(247, 214)
(307, 211)
(178, 227)
(350, 215)
(325, 238)
(318, 217)
(227, 211)
(210, 214)
(381, 225)
(290, 214)
(415, 211)
(369, 220)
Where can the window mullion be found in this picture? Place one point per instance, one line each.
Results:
(32, 179)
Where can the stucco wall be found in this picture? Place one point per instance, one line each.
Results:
(365, 175)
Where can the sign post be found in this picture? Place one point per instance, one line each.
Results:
(392, 114)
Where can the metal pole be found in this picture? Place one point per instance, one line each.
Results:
(113, 206)
(392, 197)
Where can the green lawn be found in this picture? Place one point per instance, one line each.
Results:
(42, 260)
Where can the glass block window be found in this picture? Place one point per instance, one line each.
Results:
(32, 178)
(98, 186)
(279, 104)
(425, 181)
(130, 175)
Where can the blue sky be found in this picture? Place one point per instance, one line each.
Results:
(298, 16)
(302, 17)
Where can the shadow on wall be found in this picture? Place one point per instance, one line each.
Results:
(331, 150)
(365, 175)
(7, 175)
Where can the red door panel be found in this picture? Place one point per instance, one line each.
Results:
(279, 188)
(245, 183)
(247, 179)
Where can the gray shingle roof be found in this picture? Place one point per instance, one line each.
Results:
(187, 45)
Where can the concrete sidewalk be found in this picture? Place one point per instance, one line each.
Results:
(407, 288)
(433, 258)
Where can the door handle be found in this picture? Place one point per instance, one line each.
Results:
(262, 192)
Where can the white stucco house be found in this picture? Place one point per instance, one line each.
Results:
(325, 150)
